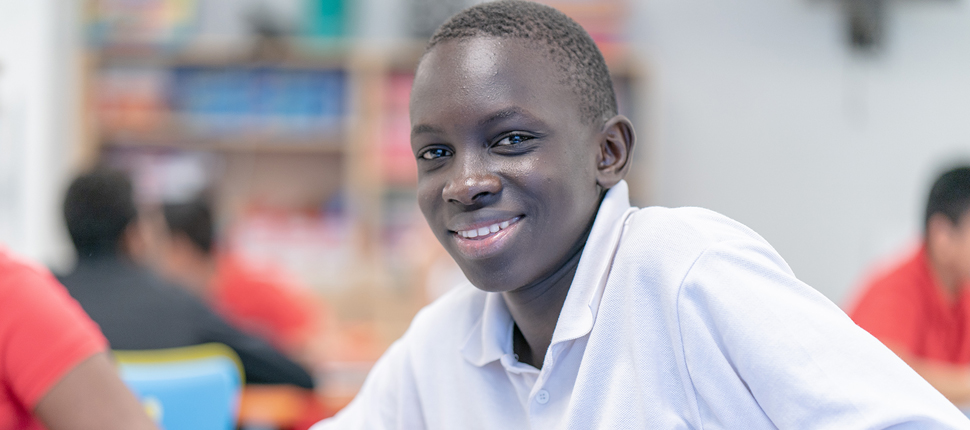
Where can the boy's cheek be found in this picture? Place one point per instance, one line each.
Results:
(429, 198)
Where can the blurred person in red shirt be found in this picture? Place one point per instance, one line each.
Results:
(261, 301)
(55, 371)
(920, 307)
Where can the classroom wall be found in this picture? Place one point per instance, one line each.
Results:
(760, 110)
(39, 112)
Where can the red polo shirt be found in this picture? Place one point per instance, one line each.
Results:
(44, 334)
(905, 307)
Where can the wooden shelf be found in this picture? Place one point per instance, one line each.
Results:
(332, 145)
(296, 54)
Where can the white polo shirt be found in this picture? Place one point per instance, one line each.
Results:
(676, 319)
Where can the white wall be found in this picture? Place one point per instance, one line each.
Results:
(38, 123)
(761, 111)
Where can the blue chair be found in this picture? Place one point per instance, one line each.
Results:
(190, 388)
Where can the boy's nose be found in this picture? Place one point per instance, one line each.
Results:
(472, 188)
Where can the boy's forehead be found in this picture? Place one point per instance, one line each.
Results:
(478, 57)
(465, 60)
(454, 69)
(482, 48)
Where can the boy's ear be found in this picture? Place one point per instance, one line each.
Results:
(616, 143)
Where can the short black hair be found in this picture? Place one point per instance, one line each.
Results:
(950, 195)
(569, 46)
(194, 219)
(98, 207)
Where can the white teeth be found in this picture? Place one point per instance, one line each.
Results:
(483, 231)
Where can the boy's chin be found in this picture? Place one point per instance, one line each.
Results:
(491, 283)
(488, 286)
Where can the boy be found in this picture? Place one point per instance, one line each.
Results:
(920, 307)
(589, 313)
(261, 302)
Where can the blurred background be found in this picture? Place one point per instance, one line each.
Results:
(818, 123)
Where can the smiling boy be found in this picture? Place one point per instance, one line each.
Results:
(584, 312)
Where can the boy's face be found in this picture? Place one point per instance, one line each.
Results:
(956, 246)
(506, 163)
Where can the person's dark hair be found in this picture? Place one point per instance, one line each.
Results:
(950, 195)
(98, 207)
(194, 219)
(569, 45)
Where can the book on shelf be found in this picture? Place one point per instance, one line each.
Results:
(275, 104)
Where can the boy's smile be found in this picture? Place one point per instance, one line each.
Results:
(507, 164)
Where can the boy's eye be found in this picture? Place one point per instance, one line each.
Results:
(434, 153)
(513, 139)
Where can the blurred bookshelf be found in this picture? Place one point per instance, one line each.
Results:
(301, 135)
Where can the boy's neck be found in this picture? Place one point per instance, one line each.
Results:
(535, 310)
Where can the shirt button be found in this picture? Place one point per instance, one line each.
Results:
(542, 397)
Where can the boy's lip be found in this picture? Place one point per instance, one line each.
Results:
(484, 228)
(472, 245)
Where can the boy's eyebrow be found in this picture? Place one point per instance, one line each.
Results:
(424, 128)
(504, 113)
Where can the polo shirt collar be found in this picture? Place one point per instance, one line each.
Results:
(491, 337)
(582, 302)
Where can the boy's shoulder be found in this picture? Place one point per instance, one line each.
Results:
(684, 226)
(669, 243)
(677, 248)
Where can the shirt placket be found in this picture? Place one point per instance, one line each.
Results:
(543, 398)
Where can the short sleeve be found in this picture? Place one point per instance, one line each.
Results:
(886, 310)
(44, 333)
(742, 311)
